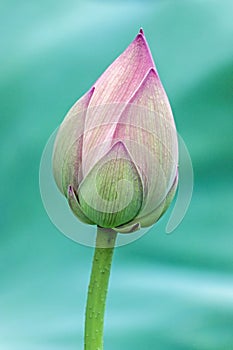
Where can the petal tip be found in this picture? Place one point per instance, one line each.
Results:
(70, 190)
(152, 73)
(91, 91)
(119, 146)
(148, 79)
(71, 193)
(141, 31)
(141, 41)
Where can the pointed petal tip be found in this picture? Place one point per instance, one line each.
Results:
(141, 41)
(71, 193)
(70, 190)
(91, 91)
(140, 38)
(149, 77)
(120, 149)
(141, 31)
(120, 146)
(152, 73)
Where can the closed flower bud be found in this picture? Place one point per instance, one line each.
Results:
(115, 155)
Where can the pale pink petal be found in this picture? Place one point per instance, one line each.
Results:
(68, 146)
(124, 75)
(157, 213)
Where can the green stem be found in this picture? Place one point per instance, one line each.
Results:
(98, 287)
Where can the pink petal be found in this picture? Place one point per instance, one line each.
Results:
(147, 128)
(124, 75)
(68, 145)
(113, 90)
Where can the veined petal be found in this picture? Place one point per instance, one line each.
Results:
(111, 194)
(156, 214)
(152, 217)
(68, 145)
(113, 90)
(124, 75)
(147, 128)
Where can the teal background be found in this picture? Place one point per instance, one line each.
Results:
(167, 291)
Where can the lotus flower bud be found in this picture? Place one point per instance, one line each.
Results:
(115, 155)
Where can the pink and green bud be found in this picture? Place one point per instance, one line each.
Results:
(116, 154)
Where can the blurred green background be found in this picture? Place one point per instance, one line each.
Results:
(167, 291)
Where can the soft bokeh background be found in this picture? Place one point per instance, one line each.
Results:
(166, 292)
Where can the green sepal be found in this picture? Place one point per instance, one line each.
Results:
(112, 193)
